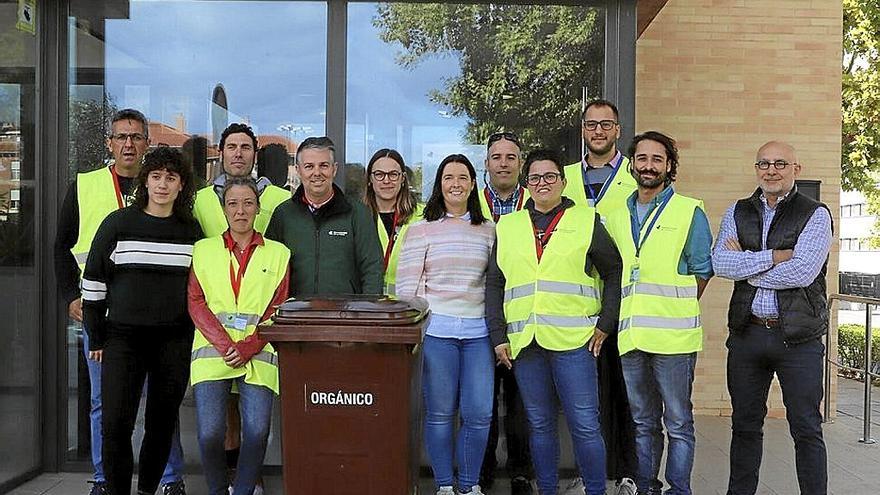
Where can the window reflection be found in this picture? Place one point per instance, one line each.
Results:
(434, 79)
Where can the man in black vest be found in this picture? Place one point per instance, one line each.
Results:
(774, 246)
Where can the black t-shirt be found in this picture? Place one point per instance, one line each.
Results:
(388, 222)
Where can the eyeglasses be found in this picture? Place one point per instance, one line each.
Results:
(778, 164)
(606, 125)
(549, 178)
(121, 138)
(498, 136)
(380, 175)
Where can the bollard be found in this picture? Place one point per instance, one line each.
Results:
(866, 438)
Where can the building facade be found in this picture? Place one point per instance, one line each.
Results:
(721, 77)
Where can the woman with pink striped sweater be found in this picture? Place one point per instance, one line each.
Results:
(444, 259)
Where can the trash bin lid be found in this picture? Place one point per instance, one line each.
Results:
(354, 310)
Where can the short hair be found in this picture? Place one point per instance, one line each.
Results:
(246, 181)
(406, 200)
(539, 155)
(316, 143)
(131, 114)
(236, 128)
(435, 208)
(507, 136)
(599, 102)
(667, 142)
(272, 163)
(170, 159)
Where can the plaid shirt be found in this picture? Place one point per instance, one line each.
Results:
(502, 206)
(810, 253)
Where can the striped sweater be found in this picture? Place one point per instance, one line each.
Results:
(445, 262)
(136, 274)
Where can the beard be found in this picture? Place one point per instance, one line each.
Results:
(650, 181)
(600, 150)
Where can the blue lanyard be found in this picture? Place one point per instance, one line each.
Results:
(638, 238)
(618, 161)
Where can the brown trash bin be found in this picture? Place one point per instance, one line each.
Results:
(350, 393)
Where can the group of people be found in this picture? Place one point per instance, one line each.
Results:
(553, 285)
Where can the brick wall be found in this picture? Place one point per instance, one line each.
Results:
(723, 77)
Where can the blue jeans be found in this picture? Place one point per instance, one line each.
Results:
(458, 375)
(660, 385)
(255, 405)
(546, 378)
(174, 468)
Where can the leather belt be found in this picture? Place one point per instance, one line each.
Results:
(765, 322)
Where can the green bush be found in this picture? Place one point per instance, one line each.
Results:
(851, 347)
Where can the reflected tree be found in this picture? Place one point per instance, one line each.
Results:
(522, 67)
(89, 126)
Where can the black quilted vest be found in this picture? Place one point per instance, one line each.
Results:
(803, 311)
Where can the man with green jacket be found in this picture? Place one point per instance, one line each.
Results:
(333, 241)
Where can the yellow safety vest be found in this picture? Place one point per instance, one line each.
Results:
(265, 270)
(96, 195)
(659, 311)
(391, 270)
(552, 301)
(618, 187)
(208, 209)
(484, 202)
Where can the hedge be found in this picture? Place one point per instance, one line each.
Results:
(851, 347)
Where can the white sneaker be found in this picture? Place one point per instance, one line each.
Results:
(445, 490)
(626, 487)
(475, 490)
(575, 487)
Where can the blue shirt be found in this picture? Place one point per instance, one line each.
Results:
(810, 253)
(455, 327)
(696, 258)
(504, 206)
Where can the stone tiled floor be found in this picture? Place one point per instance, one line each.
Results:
(854, 468)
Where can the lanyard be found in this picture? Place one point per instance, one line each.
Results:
(491, 204)
(116, 186)
(542, 240)
(392, 238)
(235, 276)
(638, 238)
(618, 160)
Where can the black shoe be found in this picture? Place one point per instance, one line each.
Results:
(98, 488)
(520, 486)
(174, 488)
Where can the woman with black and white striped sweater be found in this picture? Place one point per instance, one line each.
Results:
(135, 311)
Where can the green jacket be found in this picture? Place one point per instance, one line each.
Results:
(333, 252)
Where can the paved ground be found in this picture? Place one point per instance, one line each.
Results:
(854, 468)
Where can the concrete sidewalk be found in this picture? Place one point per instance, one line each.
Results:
(854, 468)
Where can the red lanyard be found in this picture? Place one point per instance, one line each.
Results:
(235, 276)
(391, 238)
(491, 203)
(116, 186)
(542, 240)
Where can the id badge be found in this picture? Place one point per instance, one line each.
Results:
(634, 274)
(240, 322)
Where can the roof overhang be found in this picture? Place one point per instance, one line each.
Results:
(647, 11)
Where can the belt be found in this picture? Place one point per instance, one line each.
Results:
(765, 322)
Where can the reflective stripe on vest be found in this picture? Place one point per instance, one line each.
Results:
(622, 185)
(659, 312)
(264, 273)
(96, 198)
(208, 209)
(552, 302)
(391, 271)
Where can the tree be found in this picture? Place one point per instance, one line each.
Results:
(89, 126)
(860, 159)
(523, 67)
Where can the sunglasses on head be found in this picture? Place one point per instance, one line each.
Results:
(498, 136)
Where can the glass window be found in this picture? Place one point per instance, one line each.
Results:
(430, 79)
(20, 433)
(192, 67)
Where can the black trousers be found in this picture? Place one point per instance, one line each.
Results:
(130, 357)
(516, 430)
(755, 355)
(618, 429)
